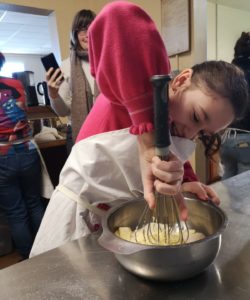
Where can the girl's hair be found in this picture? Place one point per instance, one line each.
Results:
(227, 81)
(211, 143)
(2, 60)
(81, 21)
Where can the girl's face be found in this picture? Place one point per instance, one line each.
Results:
(83, 39)
(192, 110)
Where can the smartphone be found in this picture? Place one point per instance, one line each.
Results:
(49, 61)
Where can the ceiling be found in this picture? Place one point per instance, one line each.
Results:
(27, 33)
(24, 33)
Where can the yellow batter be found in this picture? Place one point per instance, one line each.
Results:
(148, 235)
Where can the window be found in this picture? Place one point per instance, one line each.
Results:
(11, 67)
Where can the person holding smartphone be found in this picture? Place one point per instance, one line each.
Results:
(71, 88)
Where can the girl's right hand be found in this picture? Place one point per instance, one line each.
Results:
(164, 177)
(54, 81)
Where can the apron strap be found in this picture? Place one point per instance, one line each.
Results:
(81, 201)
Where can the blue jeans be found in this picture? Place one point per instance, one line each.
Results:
(20, 195)
(235, 154)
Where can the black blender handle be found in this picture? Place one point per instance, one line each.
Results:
(161, 98)
(38, 88)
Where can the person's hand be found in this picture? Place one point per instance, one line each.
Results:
(54, 81)
(164, 177)
(202, 191)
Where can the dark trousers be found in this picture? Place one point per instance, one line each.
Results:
(20, 190)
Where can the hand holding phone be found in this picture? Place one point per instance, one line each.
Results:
(49, 61)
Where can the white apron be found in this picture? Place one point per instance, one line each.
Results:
(47, 186)
(100, 169)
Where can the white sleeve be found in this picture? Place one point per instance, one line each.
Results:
(98, 168)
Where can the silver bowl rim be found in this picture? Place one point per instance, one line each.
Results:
(209, 202)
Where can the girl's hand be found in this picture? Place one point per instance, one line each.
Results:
(54, 82)
(164, 177)
(202, 191)
(167, 175)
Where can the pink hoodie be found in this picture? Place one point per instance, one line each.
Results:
(125, 50)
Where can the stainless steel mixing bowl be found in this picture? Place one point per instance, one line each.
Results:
(168, 263)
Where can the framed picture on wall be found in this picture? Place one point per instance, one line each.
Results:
(175, 27)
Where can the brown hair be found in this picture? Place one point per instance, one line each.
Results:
(242, 46)
(242, 60)
(227, 81)
(81, 21)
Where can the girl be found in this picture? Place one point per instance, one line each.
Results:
(125, 50)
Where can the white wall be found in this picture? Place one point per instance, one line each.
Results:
(225, 25)
(211, 31)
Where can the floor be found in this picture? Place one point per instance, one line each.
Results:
(9, 259)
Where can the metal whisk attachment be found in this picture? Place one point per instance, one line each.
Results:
(162, 225)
